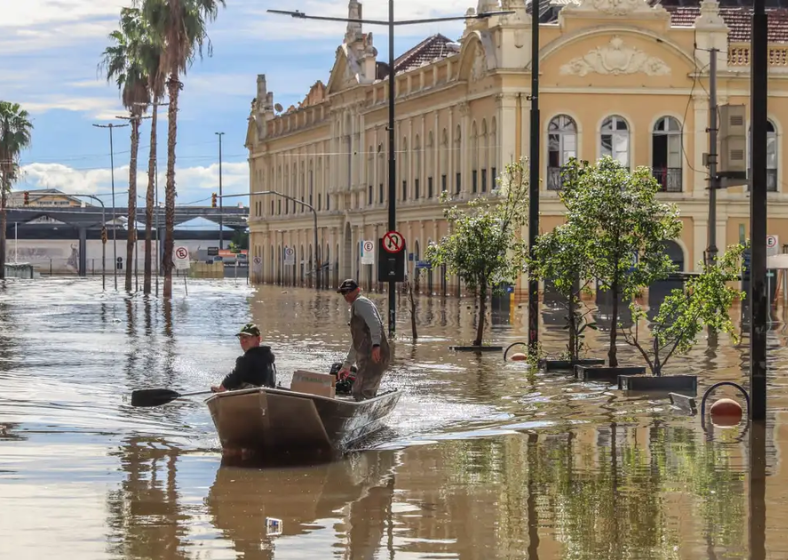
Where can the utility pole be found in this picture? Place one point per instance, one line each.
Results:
(533, 183)
(714, 180)
(110, 126)
(759, 304)
(221, 204)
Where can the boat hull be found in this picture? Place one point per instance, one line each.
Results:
(268, 419)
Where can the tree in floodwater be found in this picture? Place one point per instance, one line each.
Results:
(484, 247)
(704, 301)
(624, 227)
(560, 256)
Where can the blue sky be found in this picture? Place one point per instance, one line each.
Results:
(51, 50)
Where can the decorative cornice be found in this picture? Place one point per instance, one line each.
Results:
(615, 59)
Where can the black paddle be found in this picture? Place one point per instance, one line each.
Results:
(158, 397)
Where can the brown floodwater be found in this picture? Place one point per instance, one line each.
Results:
(478, 461)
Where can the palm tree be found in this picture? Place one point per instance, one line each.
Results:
(15, 135)
(123, 62)
(181, 26)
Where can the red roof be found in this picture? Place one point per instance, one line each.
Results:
(738, 20)
(436, 46)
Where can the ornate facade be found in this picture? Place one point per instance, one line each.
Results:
(618, 77)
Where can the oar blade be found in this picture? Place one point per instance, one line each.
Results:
(153, 397)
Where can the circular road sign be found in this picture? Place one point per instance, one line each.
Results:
(393, 242)
(181, 253)
(258, 260)
(368, 246)
(289, 251)
(771, 241)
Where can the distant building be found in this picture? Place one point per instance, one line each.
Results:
(49, 198)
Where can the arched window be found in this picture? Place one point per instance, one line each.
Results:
(614, 137)
(458, 157)
(404, 168)
(771, 156)
(666, 154)
(444, 160)
(492, 146)
(417, 155)
(485, 147)
(474, 158)
(561, 146)
(430, 155)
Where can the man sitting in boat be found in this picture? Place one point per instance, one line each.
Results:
(370, 348)
(255, 368)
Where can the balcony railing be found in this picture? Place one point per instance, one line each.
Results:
(554, 179)
(668, 177)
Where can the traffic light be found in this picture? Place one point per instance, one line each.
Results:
(213, 200)
(27, 198)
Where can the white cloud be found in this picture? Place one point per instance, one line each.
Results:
(192, 183)
(102, 108)
(38, 12)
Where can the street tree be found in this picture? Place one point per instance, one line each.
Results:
(625, 227)
(704, 301)
(484, 247)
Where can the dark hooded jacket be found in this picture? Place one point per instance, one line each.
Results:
(255, 367)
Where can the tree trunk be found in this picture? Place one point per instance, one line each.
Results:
(173, 85)
(3, 219)
(482, 314)
(131, 231)
(611, 353)
(573, 351)
(149, 202)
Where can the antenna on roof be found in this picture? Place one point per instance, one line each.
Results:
(278, 108)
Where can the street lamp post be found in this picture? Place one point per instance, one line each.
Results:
(391, 24)
(221, 207)
(110, 126)
(305, 205)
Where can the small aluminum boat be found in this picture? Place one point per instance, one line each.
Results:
(262, 419)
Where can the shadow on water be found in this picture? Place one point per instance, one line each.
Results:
(477, 461)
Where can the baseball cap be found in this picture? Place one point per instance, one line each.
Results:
(249, 329)
(347, 286)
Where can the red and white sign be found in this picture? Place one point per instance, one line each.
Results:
(393, 242)
(181, 258)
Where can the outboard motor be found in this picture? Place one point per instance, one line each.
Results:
(344, 386)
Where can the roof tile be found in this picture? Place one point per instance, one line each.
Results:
(738, 20)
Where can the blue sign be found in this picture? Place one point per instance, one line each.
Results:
(423, 264)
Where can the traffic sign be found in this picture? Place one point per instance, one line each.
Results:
(181, 258)
(771, 245)
(368, 252)
(289, 256)
(393, 242)
(258, 260)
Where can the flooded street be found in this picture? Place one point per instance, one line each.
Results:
(477, 461)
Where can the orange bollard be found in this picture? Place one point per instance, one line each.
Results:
(726, 412)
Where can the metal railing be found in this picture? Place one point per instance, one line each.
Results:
(669, 178)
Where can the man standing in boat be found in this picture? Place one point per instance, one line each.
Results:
(255, 368)
(370, 349)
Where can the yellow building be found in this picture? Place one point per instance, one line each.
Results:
(618, 77)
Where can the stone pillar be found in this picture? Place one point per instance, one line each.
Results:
(700, 124)
(464, 159)
(506, 129)
(700, 238)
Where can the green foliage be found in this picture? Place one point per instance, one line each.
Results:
(15, 136)
(561, 256)
(240, 240)
(620, 228)
(705, 301)
(483, 248)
